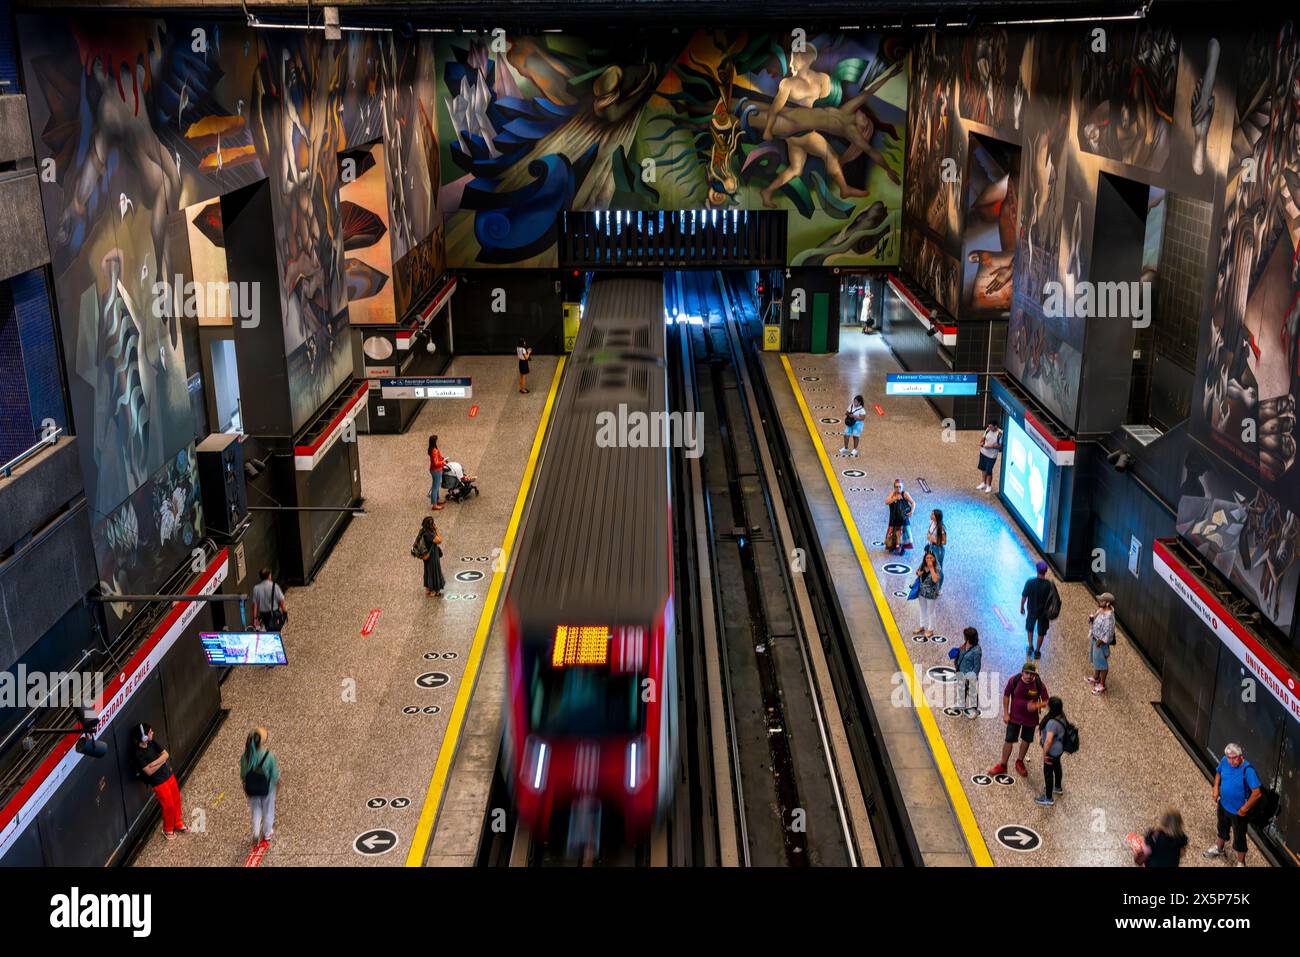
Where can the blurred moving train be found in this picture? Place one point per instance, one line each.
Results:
(591, 723)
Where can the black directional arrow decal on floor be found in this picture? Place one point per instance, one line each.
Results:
(377, 841)
(1019, 838)
(432, 679)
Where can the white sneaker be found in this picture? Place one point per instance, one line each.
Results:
(844, 452)
(981, 487)
(1214, 851)
(853, 454)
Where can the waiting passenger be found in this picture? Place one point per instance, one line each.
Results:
(969, 658)
(523, 353)
(898, 538)
(1164, 844)
(427, 548)
(1040, 603)
(990, 446)
(853, 418)
(437, 463)
(1236, 789)
(1101, 638)
(1023, 698)
(929, 581)
(269, 611)
(1051, 735)
(936, 539)
(153, 764)
(260, 773)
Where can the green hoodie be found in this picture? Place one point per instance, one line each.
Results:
(271, 768)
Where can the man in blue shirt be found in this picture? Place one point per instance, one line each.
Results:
(1236, 789)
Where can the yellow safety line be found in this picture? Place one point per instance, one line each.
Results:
(442, 769)
(947, 770)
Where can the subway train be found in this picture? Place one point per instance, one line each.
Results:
(591, 723)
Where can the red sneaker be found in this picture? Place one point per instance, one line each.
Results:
(1021, 769)
(997, 769)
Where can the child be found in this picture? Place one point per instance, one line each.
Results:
(853, 426)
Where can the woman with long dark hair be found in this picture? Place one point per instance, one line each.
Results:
(260, 773)
(437, 465)
(523, 354)
(428, 548)
(929, 582)
(936, 539)
(1051, 735)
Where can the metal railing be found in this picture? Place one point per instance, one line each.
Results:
(7, 470)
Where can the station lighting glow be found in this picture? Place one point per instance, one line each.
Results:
(580, 645)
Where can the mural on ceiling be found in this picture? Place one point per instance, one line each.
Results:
(368, 262)
(149, 119)
(989, 246)
(1249, 377)
(718, 119)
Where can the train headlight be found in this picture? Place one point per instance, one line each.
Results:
(537, 760)
(638, 763)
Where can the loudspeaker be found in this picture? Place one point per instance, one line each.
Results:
(221, 481)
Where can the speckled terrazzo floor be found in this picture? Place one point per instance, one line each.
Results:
(338, 754)
(1130, 767)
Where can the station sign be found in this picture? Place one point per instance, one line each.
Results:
(932, 383)
(427, 387)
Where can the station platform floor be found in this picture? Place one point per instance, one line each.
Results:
(1130, 767)
(357, 737)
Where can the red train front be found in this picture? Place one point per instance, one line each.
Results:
(591, 722)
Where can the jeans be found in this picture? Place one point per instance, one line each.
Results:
(925, 608)
(435, 488)
(1052, 774)
(263, 809)
(967, 688)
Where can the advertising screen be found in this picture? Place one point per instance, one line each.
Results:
(244, 648)
(1025, 473)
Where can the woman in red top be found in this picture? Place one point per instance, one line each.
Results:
(436, 465)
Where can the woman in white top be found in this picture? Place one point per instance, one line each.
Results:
(524, 354)
(990, 446)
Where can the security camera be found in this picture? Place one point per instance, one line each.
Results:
(431, 347)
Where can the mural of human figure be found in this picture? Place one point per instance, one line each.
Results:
(806, 87)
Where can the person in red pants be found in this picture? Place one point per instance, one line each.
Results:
(151, 761)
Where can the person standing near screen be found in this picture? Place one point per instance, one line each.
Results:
(269, 611)
(523, 353)
(153, 764)
(990, 446)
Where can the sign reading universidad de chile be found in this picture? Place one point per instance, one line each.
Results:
(427, 387)
(932, 383)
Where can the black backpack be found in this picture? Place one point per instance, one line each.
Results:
(420, 548)
(257, 784)
(1052, 607)
(1070, 739)
(1265, 809)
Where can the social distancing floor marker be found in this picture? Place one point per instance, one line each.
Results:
(943, 759)
(455, 722)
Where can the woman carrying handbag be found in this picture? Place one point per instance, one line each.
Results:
(427, 548)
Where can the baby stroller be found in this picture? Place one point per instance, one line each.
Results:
(459, 486)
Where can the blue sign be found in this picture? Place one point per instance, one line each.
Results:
(427, 387)
(932, 383)
(1025, 472)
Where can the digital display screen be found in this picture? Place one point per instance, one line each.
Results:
(932, 383)
(243, 648)
(1025, 473)
(427, 387)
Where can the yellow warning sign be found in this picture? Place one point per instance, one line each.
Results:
(772, 338)
(572, 313)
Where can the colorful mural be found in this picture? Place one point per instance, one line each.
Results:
(368, 263)
(718, 119)
(989, 245)
(148, 120)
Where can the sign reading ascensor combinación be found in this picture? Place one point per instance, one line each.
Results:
(1266, 669)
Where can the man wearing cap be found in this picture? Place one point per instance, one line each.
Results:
(1034, 599)
(1101, 633)
(1023, 697)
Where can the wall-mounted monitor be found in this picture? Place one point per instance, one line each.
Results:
(226, 648)
(1026, 481)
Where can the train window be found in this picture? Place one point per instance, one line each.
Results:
(582, 702)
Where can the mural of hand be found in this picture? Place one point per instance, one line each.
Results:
(1277, 446)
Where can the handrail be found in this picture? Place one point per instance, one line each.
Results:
(7, 470)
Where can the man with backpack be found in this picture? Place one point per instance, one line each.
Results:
(1022, 699)
(1040, 603)
(269, 611)
(260, 773)
(1237, 792)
